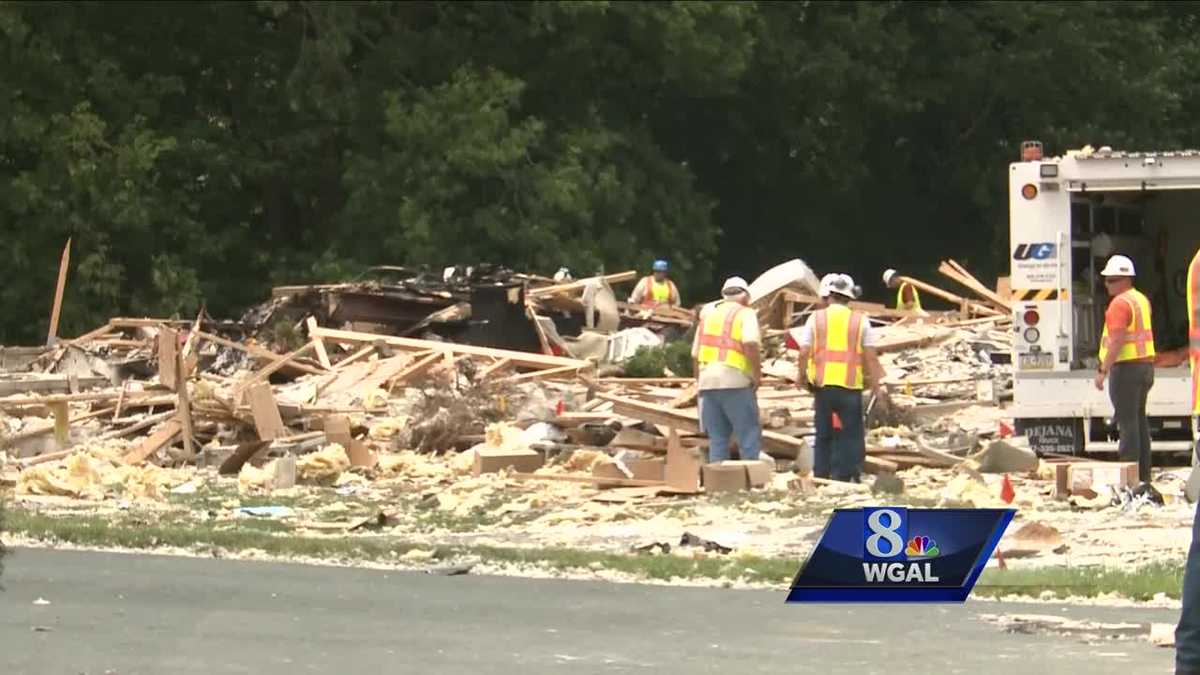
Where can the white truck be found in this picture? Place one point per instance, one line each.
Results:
(1067, 216)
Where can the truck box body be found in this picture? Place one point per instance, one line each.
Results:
(1067, 216)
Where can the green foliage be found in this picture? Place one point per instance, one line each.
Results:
(677, 356)
(646, 362)
(197, 153)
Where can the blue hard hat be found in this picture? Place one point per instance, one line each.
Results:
(660, 266)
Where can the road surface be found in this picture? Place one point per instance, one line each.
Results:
(135, 614)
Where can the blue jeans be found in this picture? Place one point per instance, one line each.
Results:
(728, 412)
(838, 454)
(1187, 633)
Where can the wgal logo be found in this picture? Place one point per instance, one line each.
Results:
(1039, 251)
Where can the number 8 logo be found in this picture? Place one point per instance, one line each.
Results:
(884, 533)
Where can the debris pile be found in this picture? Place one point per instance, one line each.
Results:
(385, 384)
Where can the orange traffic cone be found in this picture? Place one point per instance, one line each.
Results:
(1007, 493)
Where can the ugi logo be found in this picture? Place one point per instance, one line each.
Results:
(889, 553)
(1039, 251)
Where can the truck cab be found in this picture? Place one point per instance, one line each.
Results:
(1067, 215)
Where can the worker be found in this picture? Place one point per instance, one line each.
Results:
(907, 297)
(728, 367)
(1127, 361)
(1187, 633)
(835, 345)
(656, 289)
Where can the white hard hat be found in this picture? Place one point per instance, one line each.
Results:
(734, 285)
(826, 283)
(1118, 266)
(887, 275)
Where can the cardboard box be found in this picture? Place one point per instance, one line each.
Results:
(683, 466)
(758, 474)
(724, 477)
(490, 460)
(648, 469)
(1099, 476)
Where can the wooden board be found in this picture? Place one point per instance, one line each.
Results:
(244, 452)
(318, 344)
(265, 410)
(259, 352)
(576, 286)
(168, 362)
(682, 472)
(337, 430)
(60, 286)
(410, 344)
(162, 437)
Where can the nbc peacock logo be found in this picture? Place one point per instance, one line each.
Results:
(921, 546)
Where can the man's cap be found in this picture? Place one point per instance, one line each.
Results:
(660, 266)
(841, 284)
(887, 275)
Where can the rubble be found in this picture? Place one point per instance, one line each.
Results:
(381, 389)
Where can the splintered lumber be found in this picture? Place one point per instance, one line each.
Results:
(958, 300)
(162, 437)
(539, 374)
(871, 308)
(184, 408)
(610, 279)
(267, 420)
(412, 369)
(956, 272)
(56, 309)
(259, 352)
(91, 335)
(168, 361)
(264, 373)
(496, 367)
(318, 344)
(26, 401)
(356, 356)
(686, 398)
(527, 359)
(134, 428)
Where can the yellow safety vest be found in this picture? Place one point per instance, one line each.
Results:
(837, 348)
(721, 337)
(910, 306)
(655, 293)
(1139, 338)
(1193, 307)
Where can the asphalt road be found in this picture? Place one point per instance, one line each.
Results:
(130, 614)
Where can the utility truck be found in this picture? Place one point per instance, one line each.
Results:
(1068, 214)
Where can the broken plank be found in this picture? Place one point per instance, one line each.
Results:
(265, 410)
(413, 369)
(410, 344)
(168, 357)
(265, 373)
(32, 433)
(59, 288)
(259, 352)
(494, 368)
(949, 297)
(337, 430)
(319, 344)
(356, 356)
(138, 426)
(183, 407)
(539, 374)
(164, 436)
(244, 452)
(572, 286)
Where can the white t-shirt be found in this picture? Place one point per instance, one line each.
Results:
(719, 375)
(804, 334)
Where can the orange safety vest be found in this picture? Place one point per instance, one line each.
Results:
(1193, 305)
(1139, 338)
(655, 293)
(721, 337)
(837, 348)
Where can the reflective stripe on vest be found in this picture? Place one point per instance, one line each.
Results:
(721, 337)
(654, 293)
(1193, 304)
(837, 348)
(1138, 340)
(916, 298)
